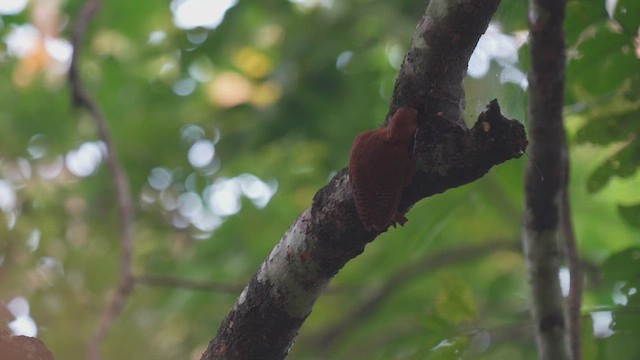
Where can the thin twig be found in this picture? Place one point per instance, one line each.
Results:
(151, 280)
(574, 301)
(451, 257)
(82, 99)
(514, 334)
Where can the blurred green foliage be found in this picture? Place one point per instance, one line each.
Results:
(281, 89)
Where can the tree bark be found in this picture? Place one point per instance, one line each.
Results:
(545, 177)
(270, 311)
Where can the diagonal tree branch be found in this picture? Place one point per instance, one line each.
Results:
(153, 280)
(82, 98)
(270, 311)
(543, 194)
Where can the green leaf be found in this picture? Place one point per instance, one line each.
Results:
(449, 349)
(632, 94)
(627, 14)
(599, 178)
(622, 266)
(583, 15)
(611, 54)
(512, 15)
(603, 130)
(626, 325)
(624, 163)
(630, 213)
(455, 300)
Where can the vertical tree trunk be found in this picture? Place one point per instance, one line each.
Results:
(546, 176)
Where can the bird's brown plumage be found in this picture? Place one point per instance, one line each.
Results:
(380, 167)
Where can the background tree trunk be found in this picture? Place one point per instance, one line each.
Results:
(546, 176)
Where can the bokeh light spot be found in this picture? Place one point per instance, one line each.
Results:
(344, 59)
(229, 89)
(86, 159)
(266, 94)
(256, 190)
(37, 148)
(190, 204)
(189, 14)
(206, 220)
(12, 7)
(23, 323)
(7, 196)
(50, 169)
(157, 37)
(602, 323)
(201, 153)
(191, 133)
(160, 178)
(184, 87)
(223, 197)
(253, 63)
